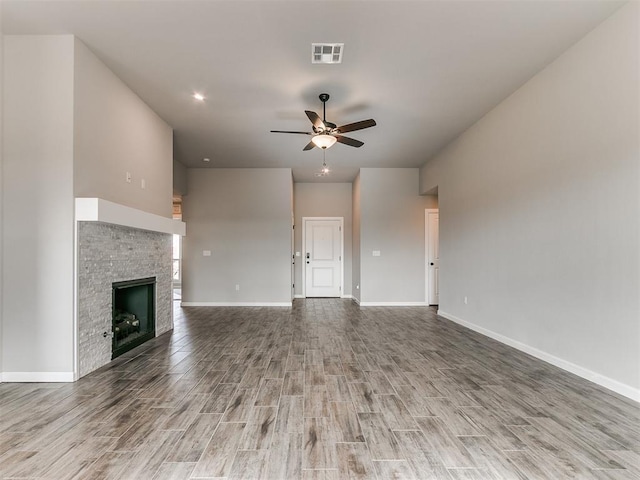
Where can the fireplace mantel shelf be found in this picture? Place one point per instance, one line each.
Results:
(100, 210)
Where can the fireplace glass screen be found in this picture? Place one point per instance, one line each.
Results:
(133, 314)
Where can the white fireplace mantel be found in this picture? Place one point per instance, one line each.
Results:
(100, 210)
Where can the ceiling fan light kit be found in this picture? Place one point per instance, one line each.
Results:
(323, 140)
(325, 133)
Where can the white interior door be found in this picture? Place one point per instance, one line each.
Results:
(323, 257)
(432, 255)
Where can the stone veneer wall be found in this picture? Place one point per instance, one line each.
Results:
(112, 253)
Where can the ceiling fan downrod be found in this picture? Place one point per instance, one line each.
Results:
(323, 98)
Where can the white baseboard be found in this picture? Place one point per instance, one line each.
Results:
(393, 304)
(342, 296)
(603, 381)
(235, 304)
(38, 377)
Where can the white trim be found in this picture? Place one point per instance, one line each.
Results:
(76, 323)
(304, 268)
(235, 304)
(603, 381)
(427, 211)
(38, 377)
(393, 304)
(341, 296)
(99, 210)
(293, 251)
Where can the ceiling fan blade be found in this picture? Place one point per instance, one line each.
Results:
(288, 131)
(308, 146)
(352, 127)
(316, 120)
(352, 142)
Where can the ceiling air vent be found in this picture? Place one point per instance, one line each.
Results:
(326, 52)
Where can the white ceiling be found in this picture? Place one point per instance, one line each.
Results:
(424, 70)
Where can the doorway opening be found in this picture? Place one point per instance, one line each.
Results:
(177, 252)
(432, 255)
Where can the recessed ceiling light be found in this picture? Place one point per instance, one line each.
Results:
(207, 160)
(198, 96)
(326, 52)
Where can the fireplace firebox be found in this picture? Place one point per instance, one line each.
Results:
(133, 319)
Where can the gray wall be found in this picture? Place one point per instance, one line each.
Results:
(1, 168)
(323, 200)
(37, 307)
(392, 222)
(540, 211)
(116, 133)
(60, 137)
(179, 178)
(243, 217)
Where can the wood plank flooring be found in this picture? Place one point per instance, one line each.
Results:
(323, 390)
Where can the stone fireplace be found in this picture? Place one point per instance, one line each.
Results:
(111, 253)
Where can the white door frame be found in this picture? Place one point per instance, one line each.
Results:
(427, 211)
(293, 257)
(303, 269)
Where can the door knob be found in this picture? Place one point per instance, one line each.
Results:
(431, 263)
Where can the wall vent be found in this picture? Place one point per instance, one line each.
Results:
(326, 52)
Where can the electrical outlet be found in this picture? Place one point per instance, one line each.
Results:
(143, 184)
(128, 177)
(237, 287)
(466, 301)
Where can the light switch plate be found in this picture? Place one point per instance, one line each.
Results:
(206, 253)
(376, 253)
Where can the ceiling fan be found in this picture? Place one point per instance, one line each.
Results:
(325, 134)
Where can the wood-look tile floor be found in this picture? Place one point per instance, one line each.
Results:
(324, 390)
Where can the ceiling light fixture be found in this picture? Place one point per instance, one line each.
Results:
(323, 140)
(325, 134)
(198, 96)
(207, 160)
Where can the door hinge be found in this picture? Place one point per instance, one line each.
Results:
(339, 229)
(293, 286)
(340, 258)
